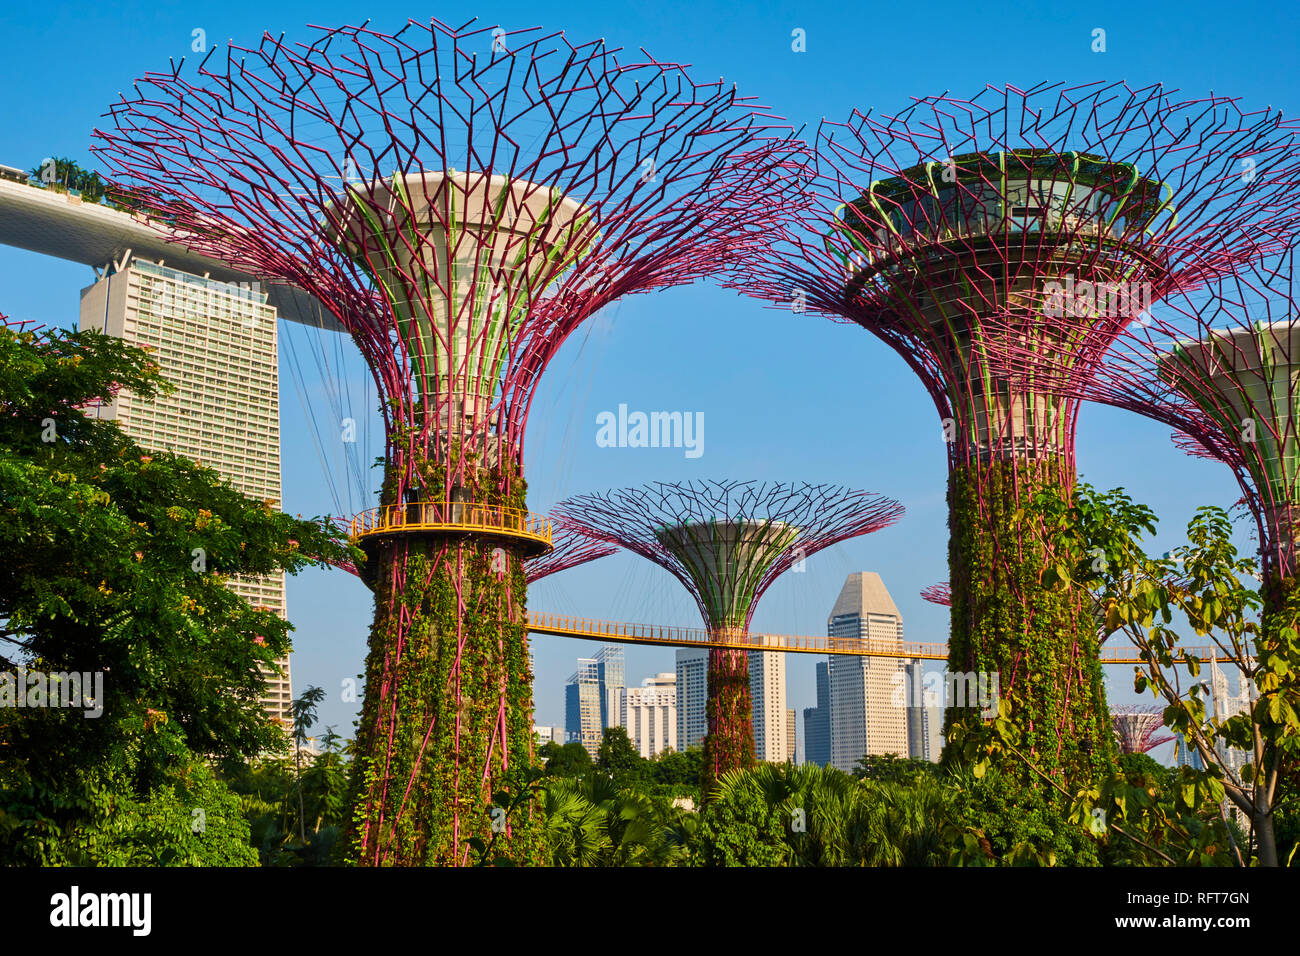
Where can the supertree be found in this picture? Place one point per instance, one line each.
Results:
(726, 542)
(940, 594)
(960, 223)
(1138, 730)
(460, 200)
(1220, 364)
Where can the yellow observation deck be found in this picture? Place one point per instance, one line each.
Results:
(531, 531)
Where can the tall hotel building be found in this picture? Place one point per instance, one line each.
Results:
(767, 702)
(692, 696)
(649, 713)
(865, 715)
(216, 342)
(582, 706)
(611, 671)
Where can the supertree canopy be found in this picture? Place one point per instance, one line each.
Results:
(727, 541)
(1052, 217)
(1138, 730)
(1220, 364)
(460, 200)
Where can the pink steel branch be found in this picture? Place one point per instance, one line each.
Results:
(569, 549)
(1220, 364)
(1207, 186)
(270, 157)
(940, 594)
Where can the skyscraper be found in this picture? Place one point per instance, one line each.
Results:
(649, 713)
(692, 696)
(216, 342)
(767, 693)
(611, 671)
(791, 738)
(1227, 705)
(924, 711)
(865, 718)
(593, 697)
(582, 706)
(817, 722)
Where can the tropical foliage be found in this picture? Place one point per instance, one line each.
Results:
(116, 564)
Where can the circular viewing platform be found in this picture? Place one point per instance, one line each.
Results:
(531, 531)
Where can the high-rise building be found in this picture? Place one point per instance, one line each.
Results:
(649, 713)
(593, 697)
(767, 695)
(611, 671)
(1227, 705)
(1185, 755)
(791, 738)
(865, 716)
(692, 696)
(924, 711)
(216, 342)
(583, 705)
(817, 722)
(548, 735)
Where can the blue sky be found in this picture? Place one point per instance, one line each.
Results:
(783, 396)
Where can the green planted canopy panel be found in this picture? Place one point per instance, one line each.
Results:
(727, 560)
(460, 258)
(1245, 379)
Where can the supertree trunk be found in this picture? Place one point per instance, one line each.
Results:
(730, 741)
(448, 712)
(1039, 643)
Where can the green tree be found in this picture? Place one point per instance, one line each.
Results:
(577, 830)
(568, 760)
(616, 755)
(64, 173)
(891, 767)
(742, 824)
(1098, 538)
(304, 718)
(115, 563)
